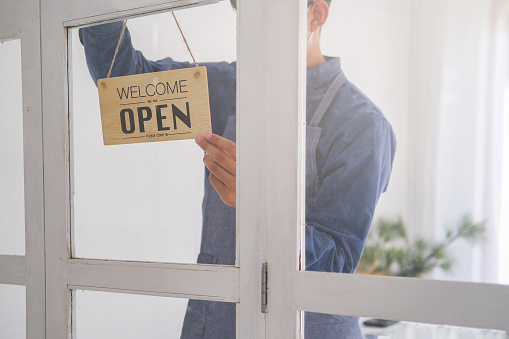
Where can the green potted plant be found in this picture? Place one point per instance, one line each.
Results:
(388, 251)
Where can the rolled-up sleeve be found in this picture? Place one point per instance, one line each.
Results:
(100, 43)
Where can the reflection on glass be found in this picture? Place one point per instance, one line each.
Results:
(416, 62)
(144, 201)
(12, 312)
(111, 315)
(12, 204)
(321, 325)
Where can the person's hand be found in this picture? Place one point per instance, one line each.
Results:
(220, 155)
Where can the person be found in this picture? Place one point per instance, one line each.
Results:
(350, 148)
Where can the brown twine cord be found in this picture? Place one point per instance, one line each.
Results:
(189, 49)
(116, 49)
(122, 35)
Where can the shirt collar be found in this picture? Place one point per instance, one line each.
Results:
(323, 73)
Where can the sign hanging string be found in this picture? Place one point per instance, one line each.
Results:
(122, 34)
(116, 49)
(189, 49)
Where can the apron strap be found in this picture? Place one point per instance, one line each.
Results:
(327, 99)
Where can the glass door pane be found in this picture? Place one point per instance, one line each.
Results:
(110, 315)
(144, 201)
(350, 144)
(12, 312)
(12, 194)
(438, 199)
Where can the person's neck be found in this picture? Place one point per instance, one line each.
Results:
(314, 54)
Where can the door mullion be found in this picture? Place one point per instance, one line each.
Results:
(56, 166)
(207, 282)
(418, 300)
(85, 13)
(33, 168)
(284, 162)
(251, 188)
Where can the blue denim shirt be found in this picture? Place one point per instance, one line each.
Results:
(354, 156)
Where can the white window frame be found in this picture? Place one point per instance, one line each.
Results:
(21, 20)
(63, 273)
(271, 63)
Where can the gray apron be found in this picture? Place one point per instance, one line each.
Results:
(317, 325)
(313, 133)
(216, 320)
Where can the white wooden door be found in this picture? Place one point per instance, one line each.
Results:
(65, 273)
(20, 20)
(48, 270)
(292, 290)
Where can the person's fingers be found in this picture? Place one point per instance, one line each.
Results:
(226, 195)
(219, 156)
(229, 146)
(219, 172)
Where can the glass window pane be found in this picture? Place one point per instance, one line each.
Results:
(12, 312)
(321, 325)
(144, 201)
(126, 316)
(12, 204)
(445, 106)
(350, 142)
(504, 214)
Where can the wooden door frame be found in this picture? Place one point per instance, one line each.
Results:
(21, 20)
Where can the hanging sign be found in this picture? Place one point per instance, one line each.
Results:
(159, 106)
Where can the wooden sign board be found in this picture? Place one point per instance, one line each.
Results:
(160, 106)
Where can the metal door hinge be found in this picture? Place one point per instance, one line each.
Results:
(264, 288)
